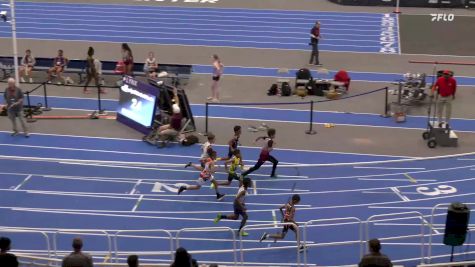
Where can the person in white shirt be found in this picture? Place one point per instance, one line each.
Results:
(27, 63)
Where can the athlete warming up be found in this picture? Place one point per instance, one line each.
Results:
(265, 153)
(288, 215)
(206, 174)
(239, 207)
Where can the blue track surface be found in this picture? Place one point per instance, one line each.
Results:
(354, 32)
(112, 190)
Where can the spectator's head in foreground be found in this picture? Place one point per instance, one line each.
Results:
(5, 244)
(374, 245)
(77, 244)
(182, 258)
(133, 261)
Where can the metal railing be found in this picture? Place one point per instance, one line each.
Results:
(352, 220)
(120, 234)
(43, 234)
(83, 233)
(210, 229)
(432, 216)
(270, 226)
(417, 215)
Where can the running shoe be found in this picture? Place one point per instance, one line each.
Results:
(14, 133)
(242, 233)
(218, 218)
(181, 189)
(220, 197)
(263, 237)
(188, 165)
(22, 80)
(302, 248)
(211, 186)
(273, 176)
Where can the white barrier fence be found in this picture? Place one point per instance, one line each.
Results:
(112, 255)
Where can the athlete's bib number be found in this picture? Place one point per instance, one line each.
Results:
(436, 191)
(159, 187)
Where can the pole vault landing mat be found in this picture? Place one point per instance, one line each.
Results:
(441, 33)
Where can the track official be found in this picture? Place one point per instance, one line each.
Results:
(314, 38)
(445, 87)
(14, 99)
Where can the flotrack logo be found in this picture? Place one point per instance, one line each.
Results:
(388, 35)
(442, 17)
(182, 1)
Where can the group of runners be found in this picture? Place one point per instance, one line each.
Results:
(232, 162)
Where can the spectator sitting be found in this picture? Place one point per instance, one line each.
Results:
(150, 66)
(77, 258)
(342, 76)
(183, 259)
(133, 261)
(375, 258)
(27, 64)
(7, 259)
(171, 130)
(59, 64)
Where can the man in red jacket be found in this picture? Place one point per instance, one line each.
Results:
(446, 87)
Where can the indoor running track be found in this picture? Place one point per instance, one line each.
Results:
(245, 28)
(64, 182)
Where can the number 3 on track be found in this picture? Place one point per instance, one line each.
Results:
(436, 191)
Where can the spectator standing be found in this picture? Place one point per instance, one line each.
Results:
(91, 71)
(7, 259)
(128, 59)
(375, 258)
(14, 99)
(27, 63)
(314, 39)
(217, 72)
(133, 261)
(183, 259)
(446, 86)
(77, 258)
(59, 64)
(151, 65)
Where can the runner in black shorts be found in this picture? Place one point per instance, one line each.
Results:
(239, 207)
(288, 216)
(235, 161)
(233, 143)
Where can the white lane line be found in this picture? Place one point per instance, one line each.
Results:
(23, 182)
(402, 208)
(398, 193)
(130, 216)
(153, 199)
(254, 187)
(278, 149)
(126, 153)
(387, 168)
(138, 203)
(159, 169)
(134, 189)
(381, 192)
(400, 180)
(220, 10)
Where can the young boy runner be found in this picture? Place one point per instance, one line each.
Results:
(206, 149)
(265, 153)
(205, 175)
(233, 143)
(239, 207)
(235, 161)
(288, 216)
